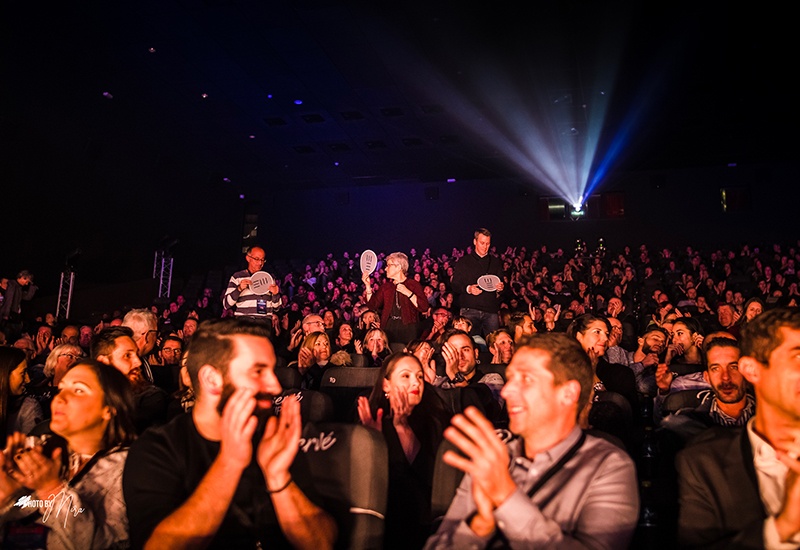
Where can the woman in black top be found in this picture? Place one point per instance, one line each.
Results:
(412, 422)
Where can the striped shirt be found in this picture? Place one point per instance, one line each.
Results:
(719, 416)
(246, 302)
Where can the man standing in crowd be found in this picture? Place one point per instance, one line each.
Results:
(218, 477)
(477, 305)
(21, 288)
(561, 487)
(240, 297)
(741, 489)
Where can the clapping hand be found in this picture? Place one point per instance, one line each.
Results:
(280, 444)
(365, 415)
(486, 461)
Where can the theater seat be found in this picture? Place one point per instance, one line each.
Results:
(344, 385)
(678, 400)
(314, 406)
(290, 378)
(477, 395)
(446, 479)
(345, 469)
(496, 368)
(612, 413)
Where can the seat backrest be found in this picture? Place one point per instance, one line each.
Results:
(346, 468)
(612, 413)
(350, 377)
(397, 346)
(344, 385)
(446, 479)
(678, 400)
(314, 406)
(485, 358)
(289, 377)
(497, 368)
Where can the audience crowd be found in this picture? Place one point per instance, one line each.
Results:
(616, 381)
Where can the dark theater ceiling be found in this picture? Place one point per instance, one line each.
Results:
(121, 120)
(181, 90)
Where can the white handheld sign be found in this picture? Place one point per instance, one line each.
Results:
(260, 282)
(488, 282)
(369, 261)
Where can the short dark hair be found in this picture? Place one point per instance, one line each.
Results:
(482, 231)
(104, 342)
(213, 345)
(719, 342)
(762, 335)
(515, 320)
(462, 319)
(172, 338)
(567, 362)
(456, 332)
(652, 327)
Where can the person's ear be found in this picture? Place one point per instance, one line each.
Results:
(750, 368)
(570, 392)
(210, 379)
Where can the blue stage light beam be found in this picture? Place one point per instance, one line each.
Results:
(646, 97)
(551, 138)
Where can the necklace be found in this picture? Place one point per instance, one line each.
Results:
(76, 462)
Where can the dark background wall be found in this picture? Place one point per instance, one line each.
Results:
(670, 208)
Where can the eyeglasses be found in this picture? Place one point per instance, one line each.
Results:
(71, 356)
(171, 350)
(257, 260)
(320, 323)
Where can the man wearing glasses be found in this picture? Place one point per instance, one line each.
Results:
(242, 300)
(167, 373)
